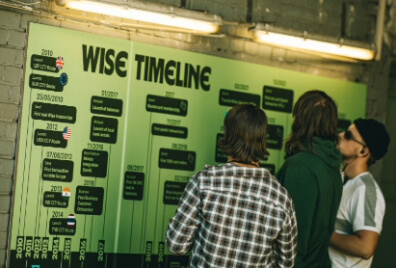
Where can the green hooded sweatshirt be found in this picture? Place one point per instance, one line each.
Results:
(313, 179)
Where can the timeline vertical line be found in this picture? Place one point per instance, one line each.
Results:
(163, 222)
(46, 224)
(27, 184)
(126, 116)
(85, 226)
(156, 209)
(130, 237)
(145, 195)
(40, 190)
(107, 192)
(91, 233)
(24, 166)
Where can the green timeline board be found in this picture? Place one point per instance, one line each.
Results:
(111, 131)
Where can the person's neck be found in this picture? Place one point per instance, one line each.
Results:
(242, 163)
(354, 167)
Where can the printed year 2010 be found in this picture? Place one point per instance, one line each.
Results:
(46, 52)
(49, 97)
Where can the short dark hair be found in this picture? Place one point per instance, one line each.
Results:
(245, 133)
(315, 115)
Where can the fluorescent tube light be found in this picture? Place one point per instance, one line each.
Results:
(168, 16)
(262, 35)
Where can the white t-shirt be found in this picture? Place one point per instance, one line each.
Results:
(362, 207)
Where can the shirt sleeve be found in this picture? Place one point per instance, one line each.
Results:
(366, 209)
(184, 224)
(286, 245)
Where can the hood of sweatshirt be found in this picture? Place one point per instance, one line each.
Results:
(326, 150)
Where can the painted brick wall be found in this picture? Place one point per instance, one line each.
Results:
(12, 40)
(307, 15)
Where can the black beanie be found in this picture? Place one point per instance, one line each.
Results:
(375, 136)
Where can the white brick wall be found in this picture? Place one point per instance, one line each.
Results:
(12, 44)
(9, 19)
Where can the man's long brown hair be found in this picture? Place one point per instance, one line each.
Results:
(245, 133)
(315, 115)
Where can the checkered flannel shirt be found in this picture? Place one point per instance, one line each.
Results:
(231, 216)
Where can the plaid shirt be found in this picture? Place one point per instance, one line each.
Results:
(231, 216)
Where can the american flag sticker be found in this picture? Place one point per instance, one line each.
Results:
(59, 63)
(71, 221)
(66, 133)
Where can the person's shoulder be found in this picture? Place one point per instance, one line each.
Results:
(364, 182)
(272, 182)
(300, 163)
(277, 191)
(361, 180)
(302, 159)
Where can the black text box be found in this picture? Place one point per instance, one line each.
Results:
(43, 63)
(275, 137)
(106, 106)
(89, 200)
(49, 138)
(179, 160)
(173, 191)
(53, 112)
(57, 170)
(44, 82)
(164, 105)
(55, 200)
(133, 185)
(62, 226)
(94, 163)
(278, 99)
(104, 129)
(232, 98)
(169, 131)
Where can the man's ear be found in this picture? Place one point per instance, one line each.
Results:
(364, 152)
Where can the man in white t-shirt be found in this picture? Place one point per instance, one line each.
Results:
(362, 208)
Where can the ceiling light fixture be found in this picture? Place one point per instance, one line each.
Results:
(264, 33)
(193, 21)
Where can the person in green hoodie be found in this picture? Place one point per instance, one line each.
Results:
(312, 176)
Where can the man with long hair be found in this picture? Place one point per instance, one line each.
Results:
(236, 214)
(311, 174)
(362, 208)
